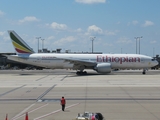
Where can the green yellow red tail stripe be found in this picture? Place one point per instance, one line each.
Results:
(19, 45)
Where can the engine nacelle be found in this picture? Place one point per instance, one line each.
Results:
(103, 68)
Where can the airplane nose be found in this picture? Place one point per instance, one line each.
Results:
(155, 63)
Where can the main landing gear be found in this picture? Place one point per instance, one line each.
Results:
(81, 73)
(144, 71)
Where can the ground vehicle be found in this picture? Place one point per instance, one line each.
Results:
(89, 116)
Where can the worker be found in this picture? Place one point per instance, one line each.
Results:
(63, 103)
(92, 117)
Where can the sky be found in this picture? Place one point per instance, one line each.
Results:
(71, 25)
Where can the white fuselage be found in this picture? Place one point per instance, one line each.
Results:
(60, 61)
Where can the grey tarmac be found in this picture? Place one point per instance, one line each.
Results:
(120, 95)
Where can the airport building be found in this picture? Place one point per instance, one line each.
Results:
(8, 64)
(158, 59)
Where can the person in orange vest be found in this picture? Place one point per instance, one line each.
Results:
(63, 103)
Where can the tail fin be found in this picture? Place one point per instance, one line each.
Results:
(18, 43)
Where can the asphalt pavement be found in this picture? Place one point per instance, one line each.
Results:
(120, 95)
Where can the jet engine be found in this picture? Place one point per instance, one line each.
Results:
(103, 68)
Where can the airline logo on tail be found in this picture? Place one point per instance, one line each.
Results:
(18, 43)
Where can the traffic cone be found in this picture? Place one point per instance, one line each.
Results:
(26, 116)
(6, 116)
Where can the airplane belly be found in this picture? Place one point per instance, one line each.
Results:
(67, 65)
(52, 63)
(125, 66)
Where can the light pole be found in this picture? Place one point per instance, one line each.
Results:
(136, 43)
(38, 42)
(92, 39)
(139, 43)
(42, 43)
(153, 52)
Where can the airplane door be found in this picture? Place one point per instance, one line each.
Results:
(142, 60)
(38, 59)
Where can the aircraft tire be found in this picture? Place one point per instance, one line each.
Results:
(81, 73)
(144, 72)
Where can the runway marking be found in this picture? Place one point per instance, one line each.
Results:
(12, 90)
(39, 98)
(64, 78)
(22, 112)
(38, 118)
(29, 112)
(109, 98)
(42, 78)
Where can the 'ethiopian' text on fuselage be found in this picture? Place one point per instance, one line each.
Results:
(101, 58)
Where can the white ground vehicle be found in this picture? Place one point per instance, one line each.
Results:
(89, 116)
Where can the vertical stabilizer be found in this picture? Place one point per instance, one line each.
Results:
(19, 44)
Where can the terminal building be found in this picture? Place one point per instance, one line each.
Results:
(9, 64)
(158, 59)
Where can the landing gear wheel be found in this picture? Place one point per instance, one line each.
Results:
(85, 73)
(81, 73)
(144, 72)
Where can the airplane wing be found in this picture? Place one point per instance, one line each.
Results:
(79, 62)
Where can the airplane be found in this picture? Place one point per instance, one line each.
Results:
(102, 63)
